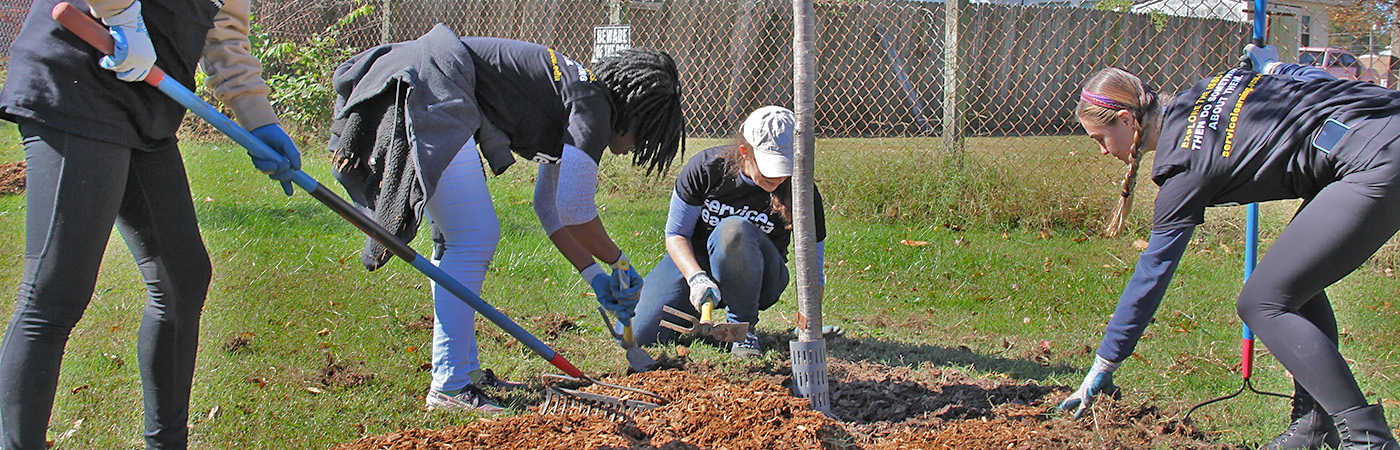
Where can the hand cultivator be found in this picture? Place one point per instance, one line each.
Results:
(96, 35)
(725, 331)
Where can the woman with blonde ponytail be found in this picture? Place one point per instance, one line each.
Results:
(1283, 132)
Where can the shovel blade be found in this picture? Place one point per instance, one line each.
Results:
(639, 360)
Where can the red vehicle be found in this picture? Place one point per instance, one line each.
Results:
(1338, 62)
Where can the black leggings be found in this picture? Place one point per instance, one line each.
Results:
(1332, 234)
(77, 189)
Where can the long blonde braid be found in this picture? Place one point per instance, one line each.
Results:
(1105, 93)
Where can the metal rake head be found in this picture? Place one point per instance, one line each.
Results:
(569, 401)
(561, 400)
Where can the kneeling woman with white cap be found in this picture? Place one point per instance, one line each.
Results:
(728, 231)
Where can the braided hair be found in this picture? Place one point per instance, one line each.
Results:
(1105, 93)
(646, 91)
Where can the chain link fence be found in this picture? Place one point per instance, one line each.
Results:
(912, 123)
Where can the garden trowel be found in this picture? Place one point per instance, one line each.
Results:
(637, 358)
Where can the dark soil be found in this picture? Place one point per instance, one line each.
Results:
(423, 323)
(555, 324)
(342, 373)
(242, 342)
(878, 406)
(12, 178)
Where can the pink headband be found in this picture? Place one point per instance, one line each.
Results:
(1101, 101)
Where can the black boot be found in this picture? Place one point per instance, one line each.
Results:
(1311, 428)
(1364, 428)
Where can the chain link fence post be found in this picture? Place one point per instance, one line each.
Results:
(386, 18)
(952, 77)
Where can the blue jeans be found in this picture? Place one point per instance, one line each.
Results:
(461, 208)
(749, 269)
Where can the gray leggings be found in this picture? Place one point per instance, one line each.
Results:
(1332, 234)
(77, 189)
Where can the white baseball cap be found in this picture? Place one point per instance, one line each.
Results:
(770, 131)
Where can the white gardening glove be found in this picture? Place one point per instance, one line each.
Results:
(702, 285)
(133, 55)
(1099, 380)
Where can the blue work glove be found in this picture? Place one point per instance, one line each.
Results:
(701, 285)
(605, 287)
(629, 286)
(1261, 59)
(1099, 380)
(280, 169)
(134, 55)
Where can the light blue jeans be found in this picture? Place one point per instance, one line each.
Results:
(461, 207)
(749, 269)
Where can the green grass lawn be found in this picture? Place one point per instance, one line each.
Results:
(1005, 272)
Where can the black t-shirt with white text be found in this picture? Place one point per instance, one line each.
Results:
(707, 182)
(540, 98)
(1242, 137)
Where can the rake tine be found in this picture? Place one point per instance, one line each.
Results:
(679, 313)
(1187, 417)
(676, 328)
(1256, 391)
(660, 400)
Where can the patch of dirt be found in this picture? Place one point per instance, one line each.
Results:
(240, 342)
(880, 407)
(12, 178)
(339, 374)
(423, 323)
(555, 324)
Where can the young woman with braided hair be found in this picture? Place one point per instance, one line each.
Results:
(491, 97)
(1284, 132)
(1144, 106)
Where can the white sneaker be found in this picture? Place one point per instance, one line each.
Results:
(470, 399)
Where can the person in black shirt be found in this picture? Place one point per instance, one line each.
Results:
(434, 108)
(728, 231)
(1240, 137)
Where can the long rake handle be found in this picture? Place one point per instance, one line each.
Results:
(1251, 227)
(94, 34)
(1251, 254)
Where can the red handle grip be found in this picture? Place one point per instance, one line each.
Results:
(1246, 358)
(94, 34)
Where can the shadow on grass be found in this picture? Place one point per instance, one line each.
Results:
(901, 354)
(271, 219)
